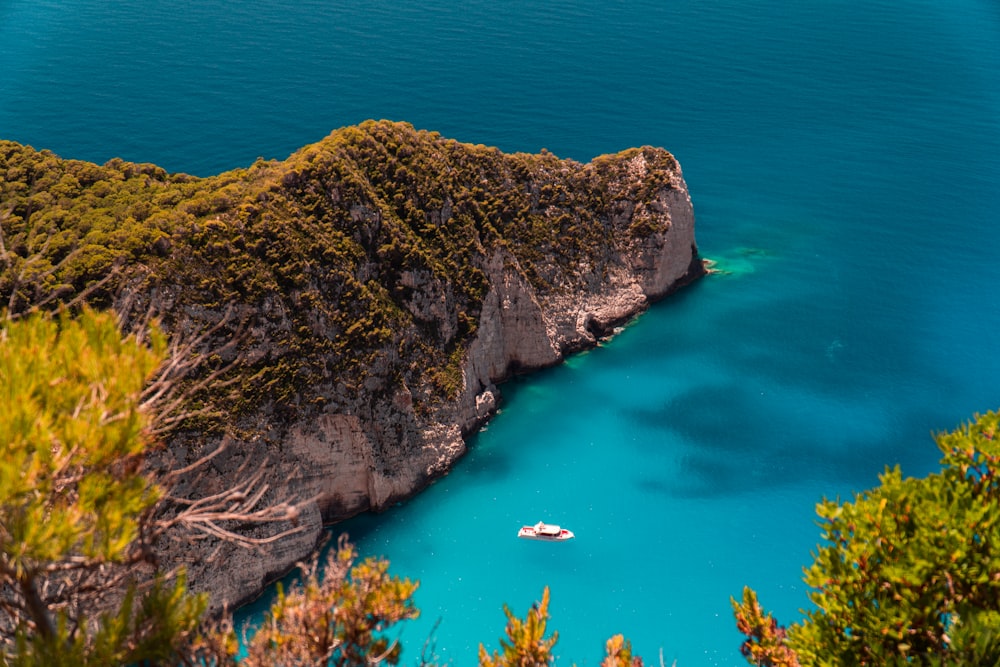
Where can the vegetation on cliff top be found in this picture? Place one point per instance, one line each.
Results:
(340, 247)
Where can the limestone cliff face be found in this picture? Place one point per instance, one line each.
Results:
(523, 329)
(367, 297)
(379, 449)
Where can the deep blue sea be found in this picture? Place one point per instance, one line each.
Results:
(844, 162)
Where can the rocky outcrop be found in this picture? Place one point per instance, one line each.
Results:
(521, 329)
(364, 301)
(370, 457)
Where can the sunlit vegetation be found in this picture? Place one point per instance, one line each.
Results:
(908, 573)
(340, 248)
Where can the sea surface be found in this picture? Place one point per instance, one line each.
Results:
(844, 162)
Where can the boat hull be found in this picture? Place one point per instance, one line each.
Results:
(529, 533)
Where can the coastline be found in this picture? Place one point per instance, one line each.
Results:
(361, 300)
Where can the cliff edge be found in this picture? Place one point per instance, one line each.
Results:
(365, 297)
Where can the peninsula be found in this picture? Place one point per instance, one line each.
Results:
(355, 305)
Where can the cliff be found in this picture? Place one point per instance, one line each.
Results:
(364, 298)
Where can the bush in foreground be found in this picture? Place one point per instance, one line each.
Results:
(908, 573)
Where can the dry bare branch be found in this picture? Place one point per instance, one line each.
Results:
(170, 395)
(77, 587)
(216, 515)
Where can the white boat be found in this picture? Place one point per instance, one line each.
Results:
(545, 531)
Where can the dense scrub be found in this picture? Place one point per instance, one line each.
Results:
(365, 250)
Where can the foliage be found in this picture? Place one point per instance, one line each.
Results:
(73, 432)
(162, 627)
(65, 223)
(337, 619)
(765, 644)
(525, 644)
(908, 573)
(618, 653)
(72, 493)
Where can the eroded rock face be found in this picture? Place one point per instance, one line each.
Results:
(374, 435)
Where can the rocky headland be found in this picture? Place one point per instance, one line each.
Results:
(359, 302)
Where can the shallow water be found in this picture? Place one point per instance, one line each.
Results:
(843, 162)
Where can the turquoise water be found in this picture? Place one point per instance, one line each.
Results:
(844, 161)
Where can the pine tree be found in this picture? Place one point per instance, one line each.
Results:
(73, 495)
